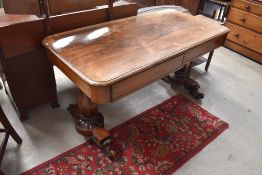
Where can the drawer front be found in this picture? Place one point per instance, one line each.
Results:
(245, 37)
(244, 51)
(204, 48)
(248, 6)
(142, 79)
(245, 19)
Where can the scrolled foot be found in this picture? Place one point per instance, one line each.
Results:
(110, 152)
(103, 140)
(197, 95)
(193, 89)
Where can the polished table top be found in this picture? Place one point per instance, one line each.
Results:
(106, 53)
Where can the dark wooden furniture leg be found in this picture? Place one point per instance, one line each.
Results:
(209, 60)
(182, 78)
(89, 122)
(6, 124)
(8, 130)
(54, 104)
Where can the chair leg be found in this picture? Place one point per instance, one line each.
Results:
(209, 60)
(9, 127)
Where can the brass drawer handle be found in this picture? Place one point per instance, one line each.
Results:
(247, 7)
(236, 35)
(243, 19)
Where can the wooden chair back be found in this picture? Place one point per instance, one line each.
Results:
(66, 6)
(61, 23)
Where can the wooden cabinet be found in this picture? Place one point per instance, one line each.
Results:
(248, 6)
(245, 37)
(245, 22)
(29, 75)
(245, 19)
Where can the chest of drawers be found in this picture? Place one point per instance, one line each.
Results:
(245, 23)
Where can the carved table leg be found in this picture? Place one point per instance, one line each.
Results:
(89, 122)
(182, 77)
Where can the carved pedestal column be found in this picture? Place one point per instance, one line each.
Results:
(89, 122)
(182, 78)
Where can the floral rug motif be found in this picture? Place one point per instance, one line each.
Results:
(158, 141)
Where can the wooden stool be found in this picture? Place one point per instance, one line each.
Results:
(8, 130)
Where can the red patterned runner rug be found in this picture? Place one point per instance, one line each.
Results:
(158, 141)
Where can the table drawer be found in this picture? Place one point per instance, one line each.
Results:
(142, 79)
(245, 37)
(204, 48)
(245, 19)
(248, 6)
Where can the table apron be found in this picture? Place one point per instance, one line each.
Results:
(146, 77)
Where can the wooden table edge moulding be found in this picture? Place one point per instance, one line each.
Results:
(111, 60)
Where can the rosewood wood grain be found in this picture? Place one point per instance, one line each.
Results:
(203, 49)
(80, 49)
(136, 82)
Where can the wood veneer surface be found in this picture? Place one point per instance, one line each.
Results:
(108, 52)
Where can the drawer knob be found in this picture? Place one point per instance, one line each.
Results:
(243, 19)
(247, 7)
(236, 35)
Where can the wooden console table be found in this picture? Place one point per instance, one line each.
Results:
(111, 60)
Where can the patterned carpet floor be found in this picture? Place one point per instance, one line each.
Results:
(158, 141)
